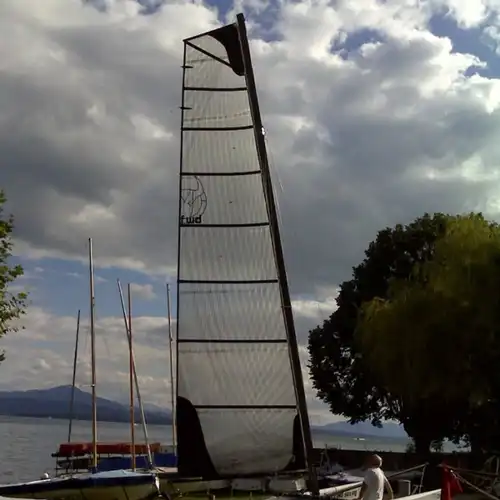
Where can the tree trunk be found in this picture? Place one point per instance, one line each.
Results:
(422, 446)
(432, 476)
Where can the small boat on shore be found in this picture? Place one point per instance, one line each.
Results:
(116, 485)
(95, 471)
(75, 458)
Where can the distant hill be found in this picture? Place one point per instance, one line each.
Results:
(365, 429)
(55, 403)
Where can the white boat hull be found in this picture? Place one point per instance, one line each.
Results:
(167, 485)
(340, 492)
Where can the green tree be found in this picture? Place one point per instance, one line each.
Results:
(12, 304)
(442, 326)
(340, 371)
(426, 327)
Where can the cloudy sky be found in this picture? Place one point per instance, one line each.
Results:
(375, 110)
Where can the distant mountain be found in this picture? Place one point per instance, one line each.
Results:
(55, 403)
(365, 429)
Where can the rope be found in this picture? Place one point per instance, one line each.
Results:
(474, 487)
(421, 484)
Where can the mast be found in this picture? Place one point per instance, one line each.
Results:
(278, 250)
(75, 359)
(181, 147)
(137, 390)
(131, 375)
(92, 350)
(171, 353)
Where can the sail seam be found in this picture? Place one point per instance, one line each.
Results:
(216, 129)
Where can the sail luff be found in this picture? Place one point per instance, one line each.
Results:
(278, 250)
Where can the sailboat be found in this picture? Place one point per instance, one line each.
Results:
(241, 416)
(241, 408)
(94, 484)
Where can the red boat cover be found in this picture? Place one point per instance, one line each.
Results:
(79, 449)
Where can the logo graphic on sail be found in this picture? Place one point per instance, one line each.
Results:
(193, 199)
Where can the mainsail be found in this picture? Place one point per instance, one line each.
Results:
(239, 385)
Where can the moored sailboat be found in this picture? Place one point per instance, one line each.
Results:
(116, 484)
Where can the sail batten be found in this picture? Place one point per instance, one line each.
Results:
(234, 341)
(236, 400)
(216, 129)
(226, 282)
(216, 89)
(220, 174)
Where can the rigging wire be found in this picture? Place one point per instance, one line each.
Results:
(276, 175)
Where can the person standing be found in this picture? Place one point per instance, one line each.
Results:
(374, 480)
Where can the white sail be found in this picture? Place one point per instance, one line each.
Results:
(236, 402)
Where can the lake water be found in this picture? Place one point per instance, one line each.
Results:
(27, 443)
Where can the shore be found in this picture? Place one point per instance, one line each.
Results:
(352, 459)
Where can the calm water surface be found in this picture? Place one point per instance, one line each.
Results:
(27, 443)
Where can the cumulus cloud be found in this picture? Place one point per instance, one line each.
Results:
(371, 120)
(361, 135)
(143, 291)
(41, 355)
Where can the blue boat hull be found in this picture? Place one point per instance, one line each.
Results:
(110, 485)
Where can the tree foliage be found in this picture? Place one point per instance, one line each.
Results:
(12, 303)
(439, 330)
(341, 371)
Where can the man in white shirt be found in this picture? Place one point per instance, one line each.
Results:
(374, 481)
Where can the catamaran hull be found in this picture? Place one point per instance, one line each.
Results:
(339, 492)
(169, 485)
(100, 486)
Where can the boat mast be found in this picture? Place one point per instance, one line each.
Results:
(137, 389)
(131, 374)
(92, 350)
(75, 359)
(171, 352)
(278, 250)
(179, 212)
